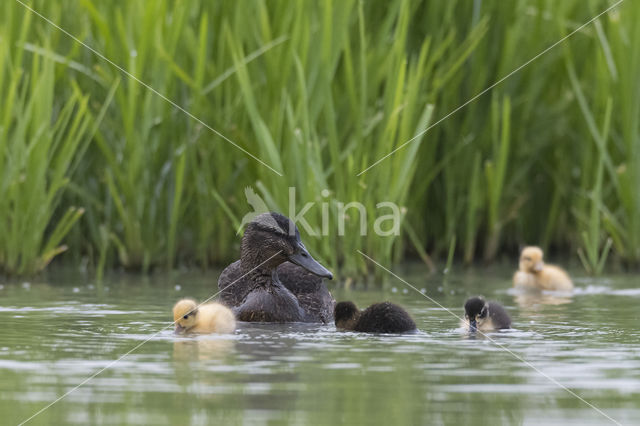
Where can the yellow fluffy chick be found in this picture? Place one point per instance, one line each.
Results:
(533, 273)
(207, 318)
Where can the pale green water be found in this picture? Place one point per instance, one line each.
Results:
(56, 334)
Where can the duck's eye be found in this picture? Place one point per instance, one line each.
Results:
(528, 259)
(186, 316)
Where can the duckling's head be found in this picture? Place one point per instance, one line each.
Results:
(476, 311)
(346, 314)
(271, 239)
(531, 259)
(184, 315)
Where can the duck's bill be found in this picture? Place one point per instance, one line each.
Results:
(304, 259)
(179, 329)
(473, 325)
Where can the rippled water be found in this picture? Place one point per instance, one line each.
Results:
(56, 334)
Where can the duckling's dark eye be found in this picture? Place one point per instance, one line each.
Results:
(186, 316)
(528, 259)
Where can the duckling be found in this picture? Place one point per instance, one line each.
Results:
(382, 317)
(276, 279)
(484, 316)
(534, 274)
(208, 318)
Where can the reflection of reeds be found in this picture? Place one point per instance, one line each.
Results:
(318, 91)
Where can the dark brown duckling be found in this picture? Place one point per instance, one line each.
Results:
(382, 317)
(484, 316)
(252, 286)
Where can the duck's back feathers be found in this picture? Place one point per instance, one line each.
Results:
(499, 317)
(310, 290)
(555, 278)
(233, 287)
(272, 304)
(384, 317)
(216, 318)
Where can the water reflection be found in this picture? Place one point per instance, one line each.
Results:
(202, 348)
(530, 300)
(55, 337)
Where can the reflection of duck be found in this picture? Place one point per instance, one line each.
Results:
(378, 318)
(207, 318)
(529, 299)
(202, 349)
(484, 316)
(276, 279)
(534, 274)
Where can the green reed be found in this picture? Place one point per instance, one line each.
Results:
(319, 91)
(41, 144)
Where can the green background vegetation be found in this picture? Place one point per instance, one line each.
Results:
(95, 164)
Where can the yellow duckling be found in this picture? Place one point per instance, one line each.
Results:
(533, 273)
(207, 318)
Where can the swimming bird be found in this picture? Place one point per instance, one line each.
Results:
(484, 316)
(382, 317)
(207, 318)
(276, 279)
(534, 274)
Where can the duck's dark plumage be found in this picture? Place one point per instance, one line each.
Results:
(382, 317)
(310, 290)
(485, 316)
(499, 316)
(233, 288)
(264, 285)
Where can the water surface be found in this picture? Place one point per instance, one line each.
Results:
(58, 332)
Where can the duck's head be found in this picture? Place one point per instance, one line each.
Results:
(271, 239)
(531, 259)
(184, 315)
(345, 315)
(476, 311)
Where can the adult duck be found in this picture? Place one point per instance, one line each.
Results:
(276, 279)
